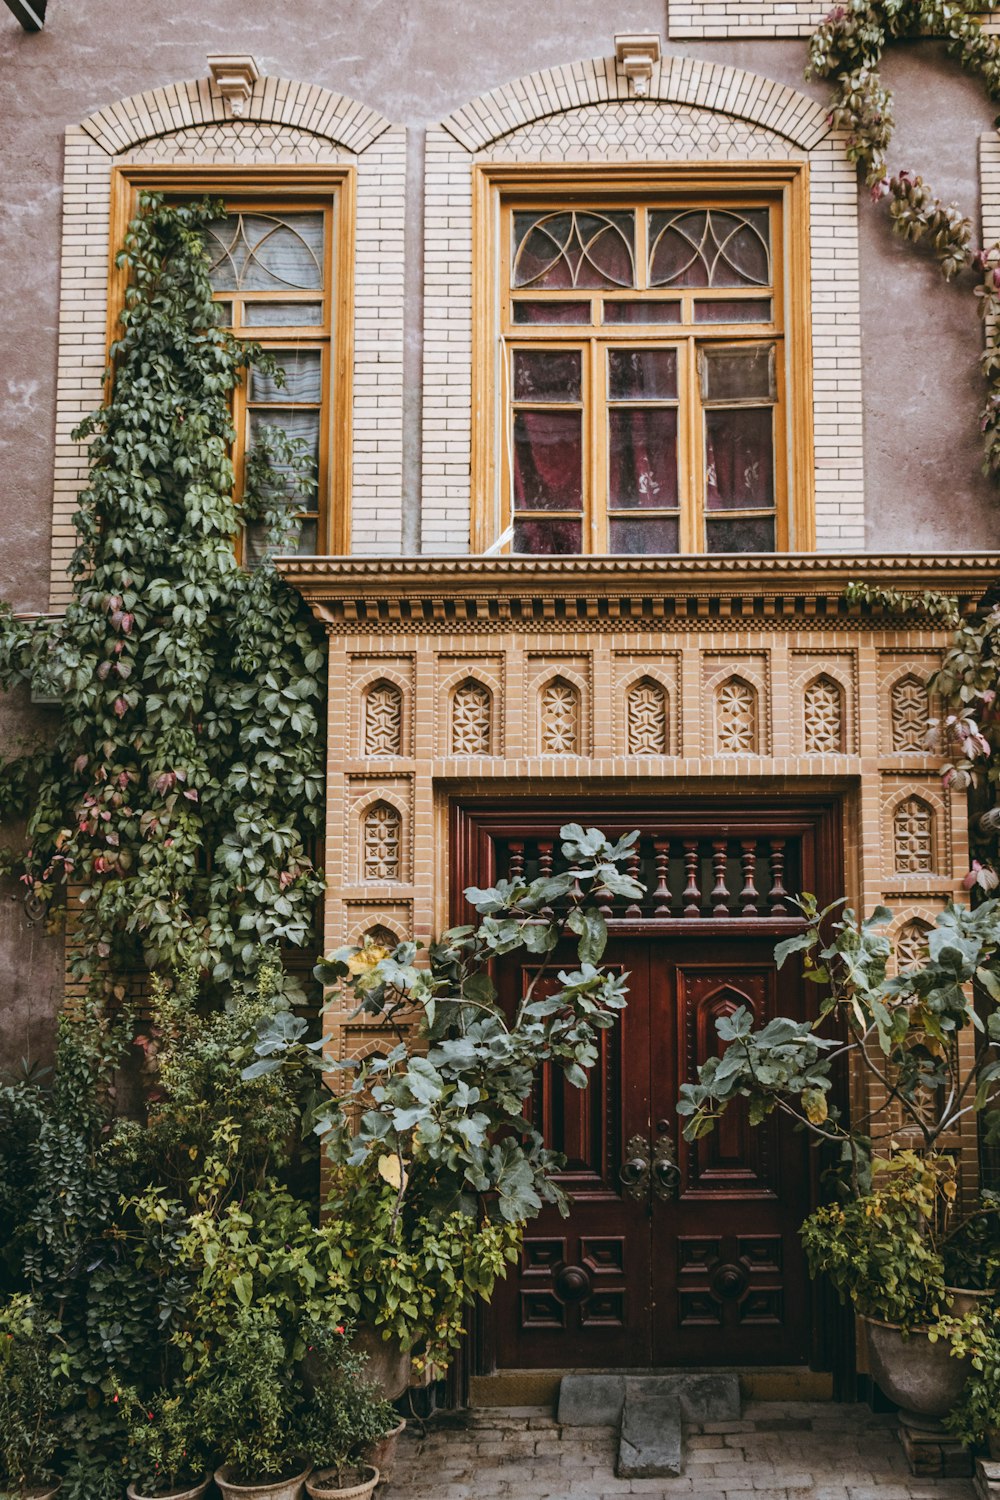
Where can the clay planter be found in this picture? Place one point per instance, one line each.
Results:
(323, 1484)
(40, 1492)
(922, 1378)
(962, 1300)
(195, 1493)
(383, 1453)
(388, 1362)
(277, 1489)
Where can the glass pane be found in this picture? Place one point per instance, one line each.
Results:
(737, 374)
(749, 534)
(552, 312)
(262, 252)
(709, 247)
(733, 310)
(642, 374)
(546, 374)
(224, 313)
(574, 249)
(548, 460)
(646, 535)
(300, 538)
(298, 424)
(642, 456)
(649, 310)
(739, 458)
(545, 534)
(303, 378)
(282, 314)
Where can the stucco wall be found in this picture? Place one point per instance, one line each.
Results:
(415, 61)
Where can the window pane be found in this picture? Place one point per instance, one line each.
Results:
(709, 247)
(642, 374)
(738, 374)
(642, 457)
(298, 424)
(546, 375)
(303, 378)
(648, 310)
(262, 252)
(547, 534)
(548, 460)
(635, 535)
(224, 313)
(733, 310)
(552, 312)
(573, 249)
(749, 534)
(282, 314)
(739, 458)
(300, 537)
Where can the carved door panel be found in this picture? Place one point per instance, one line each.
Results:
(672, 1254)
(729, 1279)
(581, 1292)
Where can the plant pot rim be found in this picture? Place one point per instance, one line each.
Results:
(223, 1475)
(884, 1323)
(198, 1487)
(321, 1490)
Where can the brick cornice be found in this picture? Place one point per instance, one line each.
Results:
(784, 591)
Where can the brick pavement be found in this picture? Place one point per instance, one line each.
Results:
(779, 1451)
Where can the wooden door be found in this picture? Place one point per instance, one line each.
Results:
(672, 1254)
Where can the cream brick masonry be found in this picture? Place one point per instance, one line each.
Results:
(696, 112)
(285, 122)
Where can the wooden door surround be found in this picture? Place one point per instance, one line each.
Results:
(672, 1254)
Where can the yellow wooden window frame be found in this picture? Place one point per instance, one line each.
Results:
(499, 190)
(330, 190)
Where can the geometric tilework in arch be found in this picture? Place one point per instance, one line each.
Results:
(685, 81)
(278, 101)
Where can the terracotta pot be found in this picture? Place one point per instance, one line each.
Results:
(383, 1453)
(323, 1485)
(921, 1377)
(195, 1493)
(278, 1489)
(388, 1362)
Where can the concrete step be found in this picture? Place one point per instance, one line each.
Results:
(649, 1412)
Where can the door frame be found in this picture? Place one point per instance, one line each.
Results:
(475, 822)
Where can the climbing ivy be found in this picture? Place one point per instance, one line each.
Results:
(848, 47)
(182, 788)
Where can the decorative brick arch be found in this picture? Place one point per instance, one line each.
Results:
(679, 80)
(274, 101)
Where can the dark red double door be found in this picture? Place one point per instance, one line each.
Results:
(673, 1254)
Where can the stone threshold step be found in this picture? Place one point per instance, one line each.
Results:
(541, 1387)
(649, 1412)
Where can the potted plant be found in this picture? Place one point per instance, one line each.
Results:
(343, 1417)
(165, 1453)
(433, 1168)
(975, 1418)
(250, 1406)
(892, 1247)
(30, 1403)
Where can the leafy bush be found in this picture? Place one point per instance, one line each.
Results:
(344, 1413)
(30, 1398)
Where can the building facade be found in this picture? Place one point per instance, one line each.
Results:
(615, 382)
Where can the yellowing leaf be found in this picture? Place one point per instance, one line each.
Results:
(366, 960)
(390, 1169)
